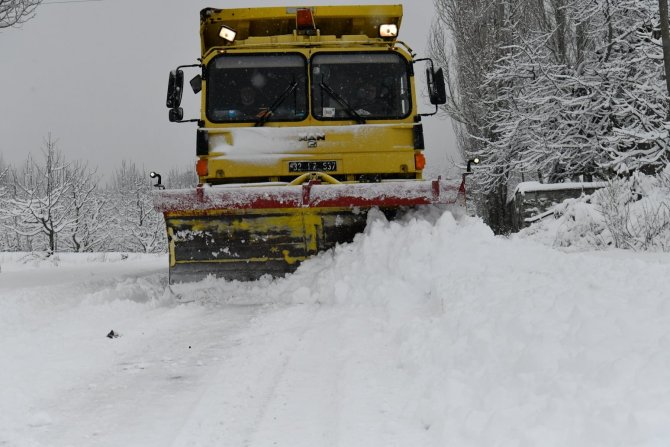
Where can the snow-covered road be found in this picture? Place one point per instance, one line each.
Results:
(424, 332)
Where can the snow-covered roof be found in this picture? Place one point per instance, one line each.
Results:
(525, 187)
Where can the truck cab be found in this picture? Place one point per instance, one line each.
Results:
(292, 90)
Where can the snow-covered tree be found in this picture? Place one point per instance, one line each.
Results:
(178, 178)
(88, 231)
(137, 226)
(577, 88)
(665, 40)
(5, 233)
(598, 109)
(41, 206)
(58, 205)
(467, 36)
(3, 178)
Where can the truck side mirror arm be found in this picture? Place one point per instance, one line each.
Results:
(436, 86)
(175, 91)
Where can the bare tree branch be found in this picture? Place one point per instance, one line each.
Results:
(15, 12)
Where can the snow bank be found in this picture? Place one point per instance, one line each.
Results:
(630, 213)
(502, 346)
(447, 335)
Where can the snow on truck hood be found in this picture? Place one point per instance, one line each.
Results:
(245, 141)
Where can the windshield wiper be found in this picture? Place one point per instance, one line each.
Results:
(347, 107)
(280, 99)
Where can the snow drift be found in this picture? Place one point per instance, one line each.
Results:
(427, 331)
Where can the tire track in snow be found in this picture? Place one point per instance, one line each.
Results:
(305, 403)
(241, 395)
(270, 395)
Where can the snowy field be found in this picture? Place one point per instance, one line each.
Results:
(424, 332)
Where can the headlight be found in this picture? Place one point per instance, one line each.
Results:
(227, 33)
(388, 30)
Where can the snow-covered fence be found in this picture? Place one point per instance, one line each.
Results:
(532, 201)
(631, 213)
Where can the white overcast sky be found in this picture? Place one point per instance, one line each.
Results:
(94, 75)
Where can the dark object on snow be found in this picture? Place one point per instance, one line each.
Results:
(112, 334)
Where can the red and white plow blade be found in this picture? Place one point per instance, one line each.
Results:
(312, 195)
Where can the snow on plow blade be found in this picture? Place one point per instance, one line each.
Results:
(244, 232)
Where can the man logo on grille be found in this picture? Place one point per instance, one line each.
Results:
(312, 138)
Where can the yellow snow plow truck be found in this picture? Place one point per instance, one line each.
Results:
(308, 120)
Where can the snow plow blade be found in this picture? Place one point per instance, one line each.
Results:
(243, 232)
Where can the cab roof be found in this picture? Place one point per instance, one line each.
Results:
(338, 21)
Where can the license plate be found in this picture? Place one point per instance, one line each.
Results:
(309, 166)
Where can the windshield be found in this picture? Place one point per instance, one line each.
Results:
(360, 86)
(257, 88)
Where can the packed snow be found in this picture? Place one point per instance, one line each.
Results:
(428, 331)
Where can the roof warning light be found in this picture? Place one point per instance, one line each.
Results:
(304, 21)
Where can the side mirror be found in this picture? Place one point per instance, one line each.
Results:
(436, 88)
(176, 114)
(196, 84)
(175, 89)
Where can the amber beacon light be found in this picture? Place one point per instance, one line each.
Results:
(419, 161)
(201, 168)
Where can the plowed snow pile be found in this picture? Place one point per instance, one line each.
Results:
(423, 332)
